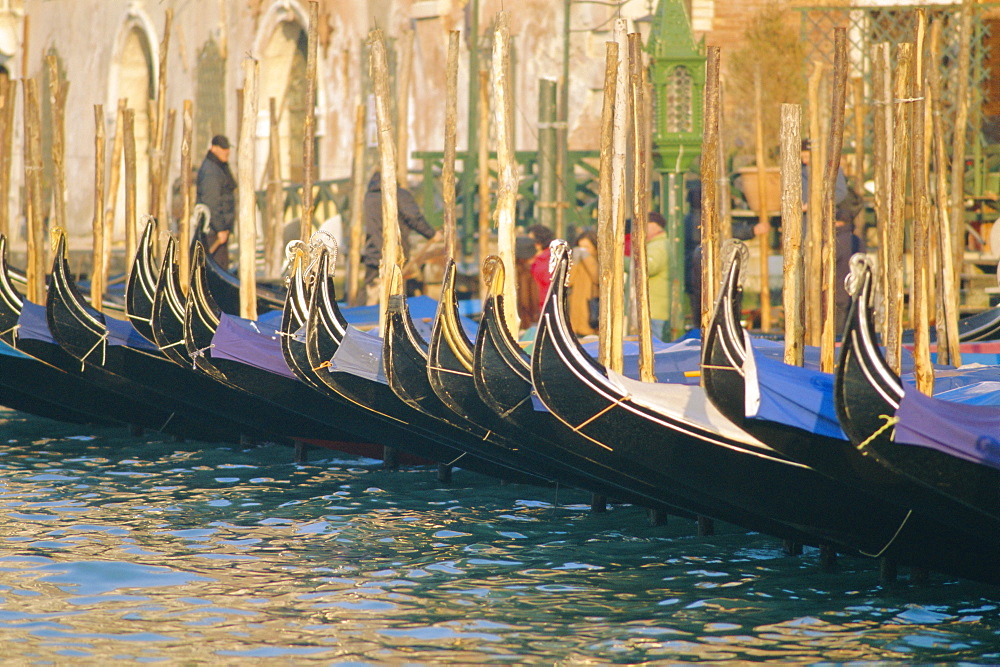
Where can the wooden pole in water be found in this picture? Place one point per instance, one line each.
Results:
(357, 206)
(33, 179)
(273, 216)
(157, 207)
(606, 248)
(184, 226)
(814, 199)
(858, 90)
(97, 267)
(831, 171)
(949, 351)
(791, 225)
(247, 204)
(903, 90)
(130, 231)
(450, 147)
(921, 307)
(961, 127)
(506, 210)
(57, 99)
(8, 95)
(391, 255)
(882, 85)
(309, 129)
(403, 105)
(640, 207)
(114, 183)
(710, 269)
(618, 198)
(483, 149)
(763, 220)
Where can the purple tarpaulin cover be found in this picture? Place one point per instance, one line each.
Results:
(243, 341)
(969, 432)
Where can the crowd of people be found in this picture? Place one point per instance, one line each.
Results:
(216, 188)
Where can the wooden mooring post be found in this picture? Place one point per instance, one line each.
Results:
(246, 204)
(507, 177)
(831, 171)
(97, 262)
(33, 180)
(309, 128)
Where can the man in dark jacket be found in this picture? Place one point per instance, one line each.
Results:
(410, 219)
(217, 191)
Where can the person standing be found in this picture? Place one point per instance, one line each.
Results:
(216, 189)
(542, 236)
(584, 277)
(657, 252)
(410, 219)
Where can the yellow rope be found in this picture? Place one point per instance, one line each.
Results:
(889, 423)
(325, 364)
(889, 543)
(100, 341)
(601, 413)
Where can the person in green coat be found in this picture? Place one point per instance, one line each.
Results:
(656, 270)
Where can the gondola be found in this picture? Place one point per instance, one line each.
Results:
(449, 370)
(724, 378)
(260, 415)
(223, 284)
(502, 377)
(676, 430)
(126, 363)
(328, 337)
(59, 378)
(405, 355)
(302, 412)
(869, 396)
(140, 287)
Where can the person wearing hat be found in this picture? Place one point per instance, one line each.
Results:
(216, 189)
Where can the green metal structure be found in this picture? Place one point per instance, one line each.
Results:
(677, 72)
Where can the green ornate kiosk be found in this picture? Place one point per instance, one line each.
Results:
(677, 72)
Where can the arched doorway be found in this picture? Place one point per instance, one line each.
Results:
(135, 82)
(283, 77)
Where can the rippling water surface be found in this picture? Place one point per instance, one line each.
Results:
(146, 549)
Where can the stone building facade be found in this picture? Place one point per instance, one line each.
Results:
(110, 49)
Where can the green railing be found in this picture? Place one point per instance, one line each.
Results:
(581, 193)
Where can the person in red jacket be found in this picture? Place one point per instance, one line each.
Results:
(542, 236)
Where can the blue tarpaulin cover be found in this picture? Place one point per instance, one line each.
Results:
(121, 332)
(32, 323)
(251, 343)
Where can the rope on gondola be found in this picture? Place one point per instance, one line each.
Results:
(167, 422)
(325, 364)
(450, 370)
(199, 353)
(506, 413)
(618, 402)
(11, 330)
(147, 320)
(893, 539)
(451, 463)
(102, 341)
(174, 344)
(889, 423)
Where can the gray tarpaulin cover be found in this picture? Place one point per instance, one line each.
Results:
(360, 354)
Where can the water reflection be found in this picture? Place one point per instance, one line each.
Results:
(149, 550)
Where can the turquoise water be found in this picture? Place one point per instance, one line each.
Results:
(146, 550)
